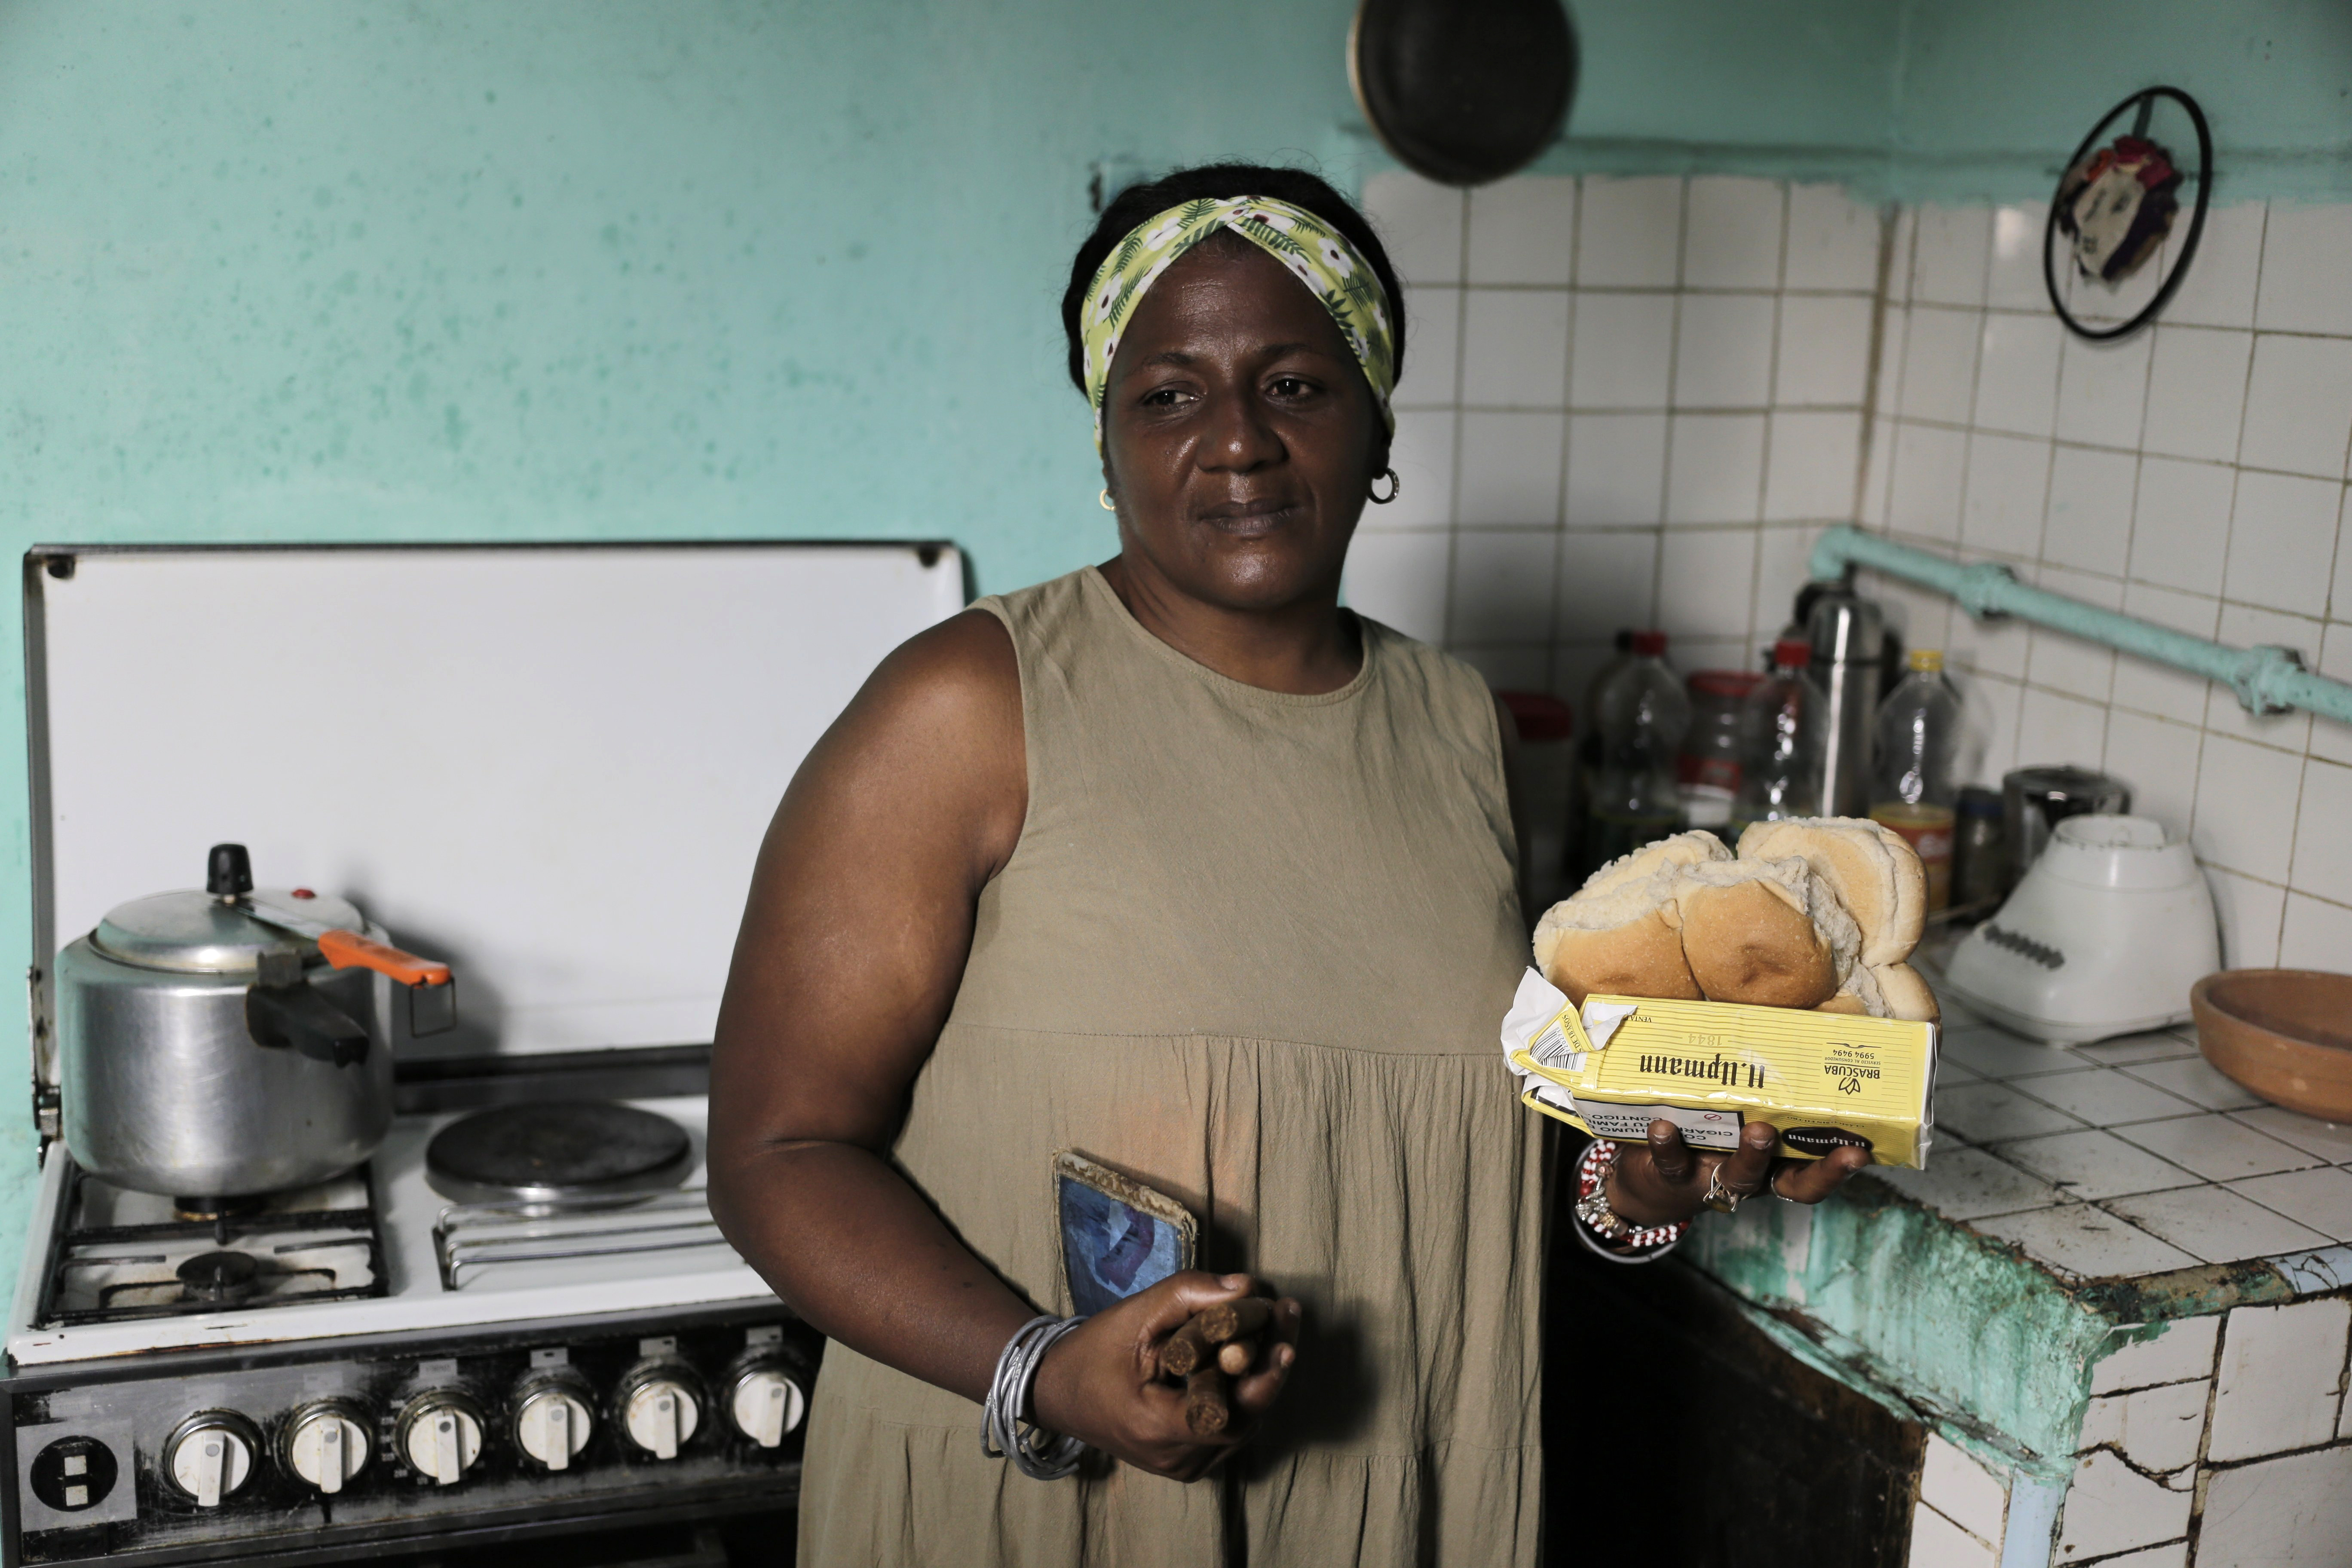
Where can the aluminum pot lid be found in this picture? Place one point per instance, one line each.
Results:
(195, 932)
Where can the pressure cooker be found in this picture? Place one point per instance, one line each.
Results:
(235, 1041)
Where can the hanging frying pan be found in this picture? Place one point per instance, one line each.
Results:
(1463, 91)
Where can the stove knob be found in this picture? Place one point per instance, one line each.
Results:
(659, 1409)
(552, 1419)
(440, 1434)
(765, 1403)
(211, 1455)
(326, 1444)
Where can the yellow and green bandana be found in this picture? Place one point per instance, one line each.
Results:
(1318, 257)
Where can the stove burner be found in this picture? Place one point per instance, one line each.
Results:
(220, 1275)
(217, 1208)
(551, 1153)
(123, 1255)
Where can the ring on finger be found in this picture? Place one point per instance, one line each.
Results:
(1721, 1198)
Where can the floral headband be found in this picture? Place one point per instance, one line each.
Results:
(1318, 256)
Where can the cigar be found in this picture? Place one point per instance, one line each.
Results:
(1243, 1318)
(1186, 1351)
(1204, 1403)
(1234, 1356)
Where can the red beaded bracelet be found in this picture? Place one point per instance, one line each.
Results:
(1593, 1212)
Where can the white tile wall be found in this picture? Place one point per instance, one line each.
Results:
(1523, 232)
(2197, 475)
(1669, 375)
(2281, 1379)
(2174, 1554)
(2226, 1460)
(2158, 1429)
(2227, 1463)
(1937, 1543)
(1963, 1490)
(1675, 377)
(2304, 292)
(2111, 1506)
(2291, 1513)
(2181, 1352)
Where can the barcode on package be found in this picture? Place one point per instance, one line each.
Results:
(1553, 1048)
(1700, 1128)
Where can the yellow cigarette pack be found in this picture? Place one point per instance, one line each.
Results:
(1826, 1080)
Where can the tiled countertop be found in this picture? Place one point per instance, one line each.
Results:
(2129, 1158)
(2117, 1297)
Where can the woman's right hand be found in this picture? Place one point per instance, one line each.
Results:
(1100, 1383)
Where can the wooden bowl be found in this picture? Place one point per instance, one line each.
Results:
(2285, 1034)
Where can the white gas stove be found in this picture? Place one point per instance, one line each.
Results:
(377, 1366)
(444, 1264)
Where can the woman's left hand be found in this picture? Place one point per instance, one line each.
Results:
(1666, 1181)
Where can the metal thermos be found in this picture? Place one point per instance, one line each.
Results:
(2035, 800)
(1848, 634)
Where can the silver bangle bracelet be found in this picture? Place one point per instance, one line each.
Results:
(1035, 1452)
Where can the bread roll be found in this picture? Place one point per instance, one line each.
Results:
(1888, 991)
(1906, 994)
(1763, 932)
(1619, 934)
(1694, 847)
(1858, 993)
(1626, 942)
(1876, 875)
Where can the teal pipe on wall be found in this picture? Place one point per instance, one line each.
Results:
(2267, 680)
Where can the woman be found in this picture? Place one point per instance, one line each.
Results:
(1178, 863)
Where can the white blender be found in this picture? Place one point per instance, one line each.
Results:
(2104, 935)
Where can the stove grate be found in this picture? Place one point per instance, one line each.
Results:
(108, 1264)
(470, 1238)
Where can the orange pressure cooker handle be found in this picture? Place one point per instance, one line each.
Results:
(343, 949)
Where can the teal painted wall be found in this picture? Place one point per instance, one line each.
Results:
(1957, 99)
(326, 269)
(1989, 96)
(1783, 74)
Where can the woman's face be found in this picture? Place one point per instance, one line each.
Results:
(1239, 433)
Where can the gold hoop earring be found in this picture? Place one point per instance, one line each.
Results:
(1106, 502)
(1374, 496)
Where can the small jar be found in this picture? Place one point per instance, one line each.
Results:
(1979, 859)
(1708, 770)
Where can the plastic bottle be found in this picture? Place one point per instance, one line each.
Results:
(1641, 714)
(1781, 723)
(1917, 784)
(1707, 767)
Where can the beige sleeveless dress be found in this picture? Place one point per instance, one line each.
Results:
(1253, 949)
